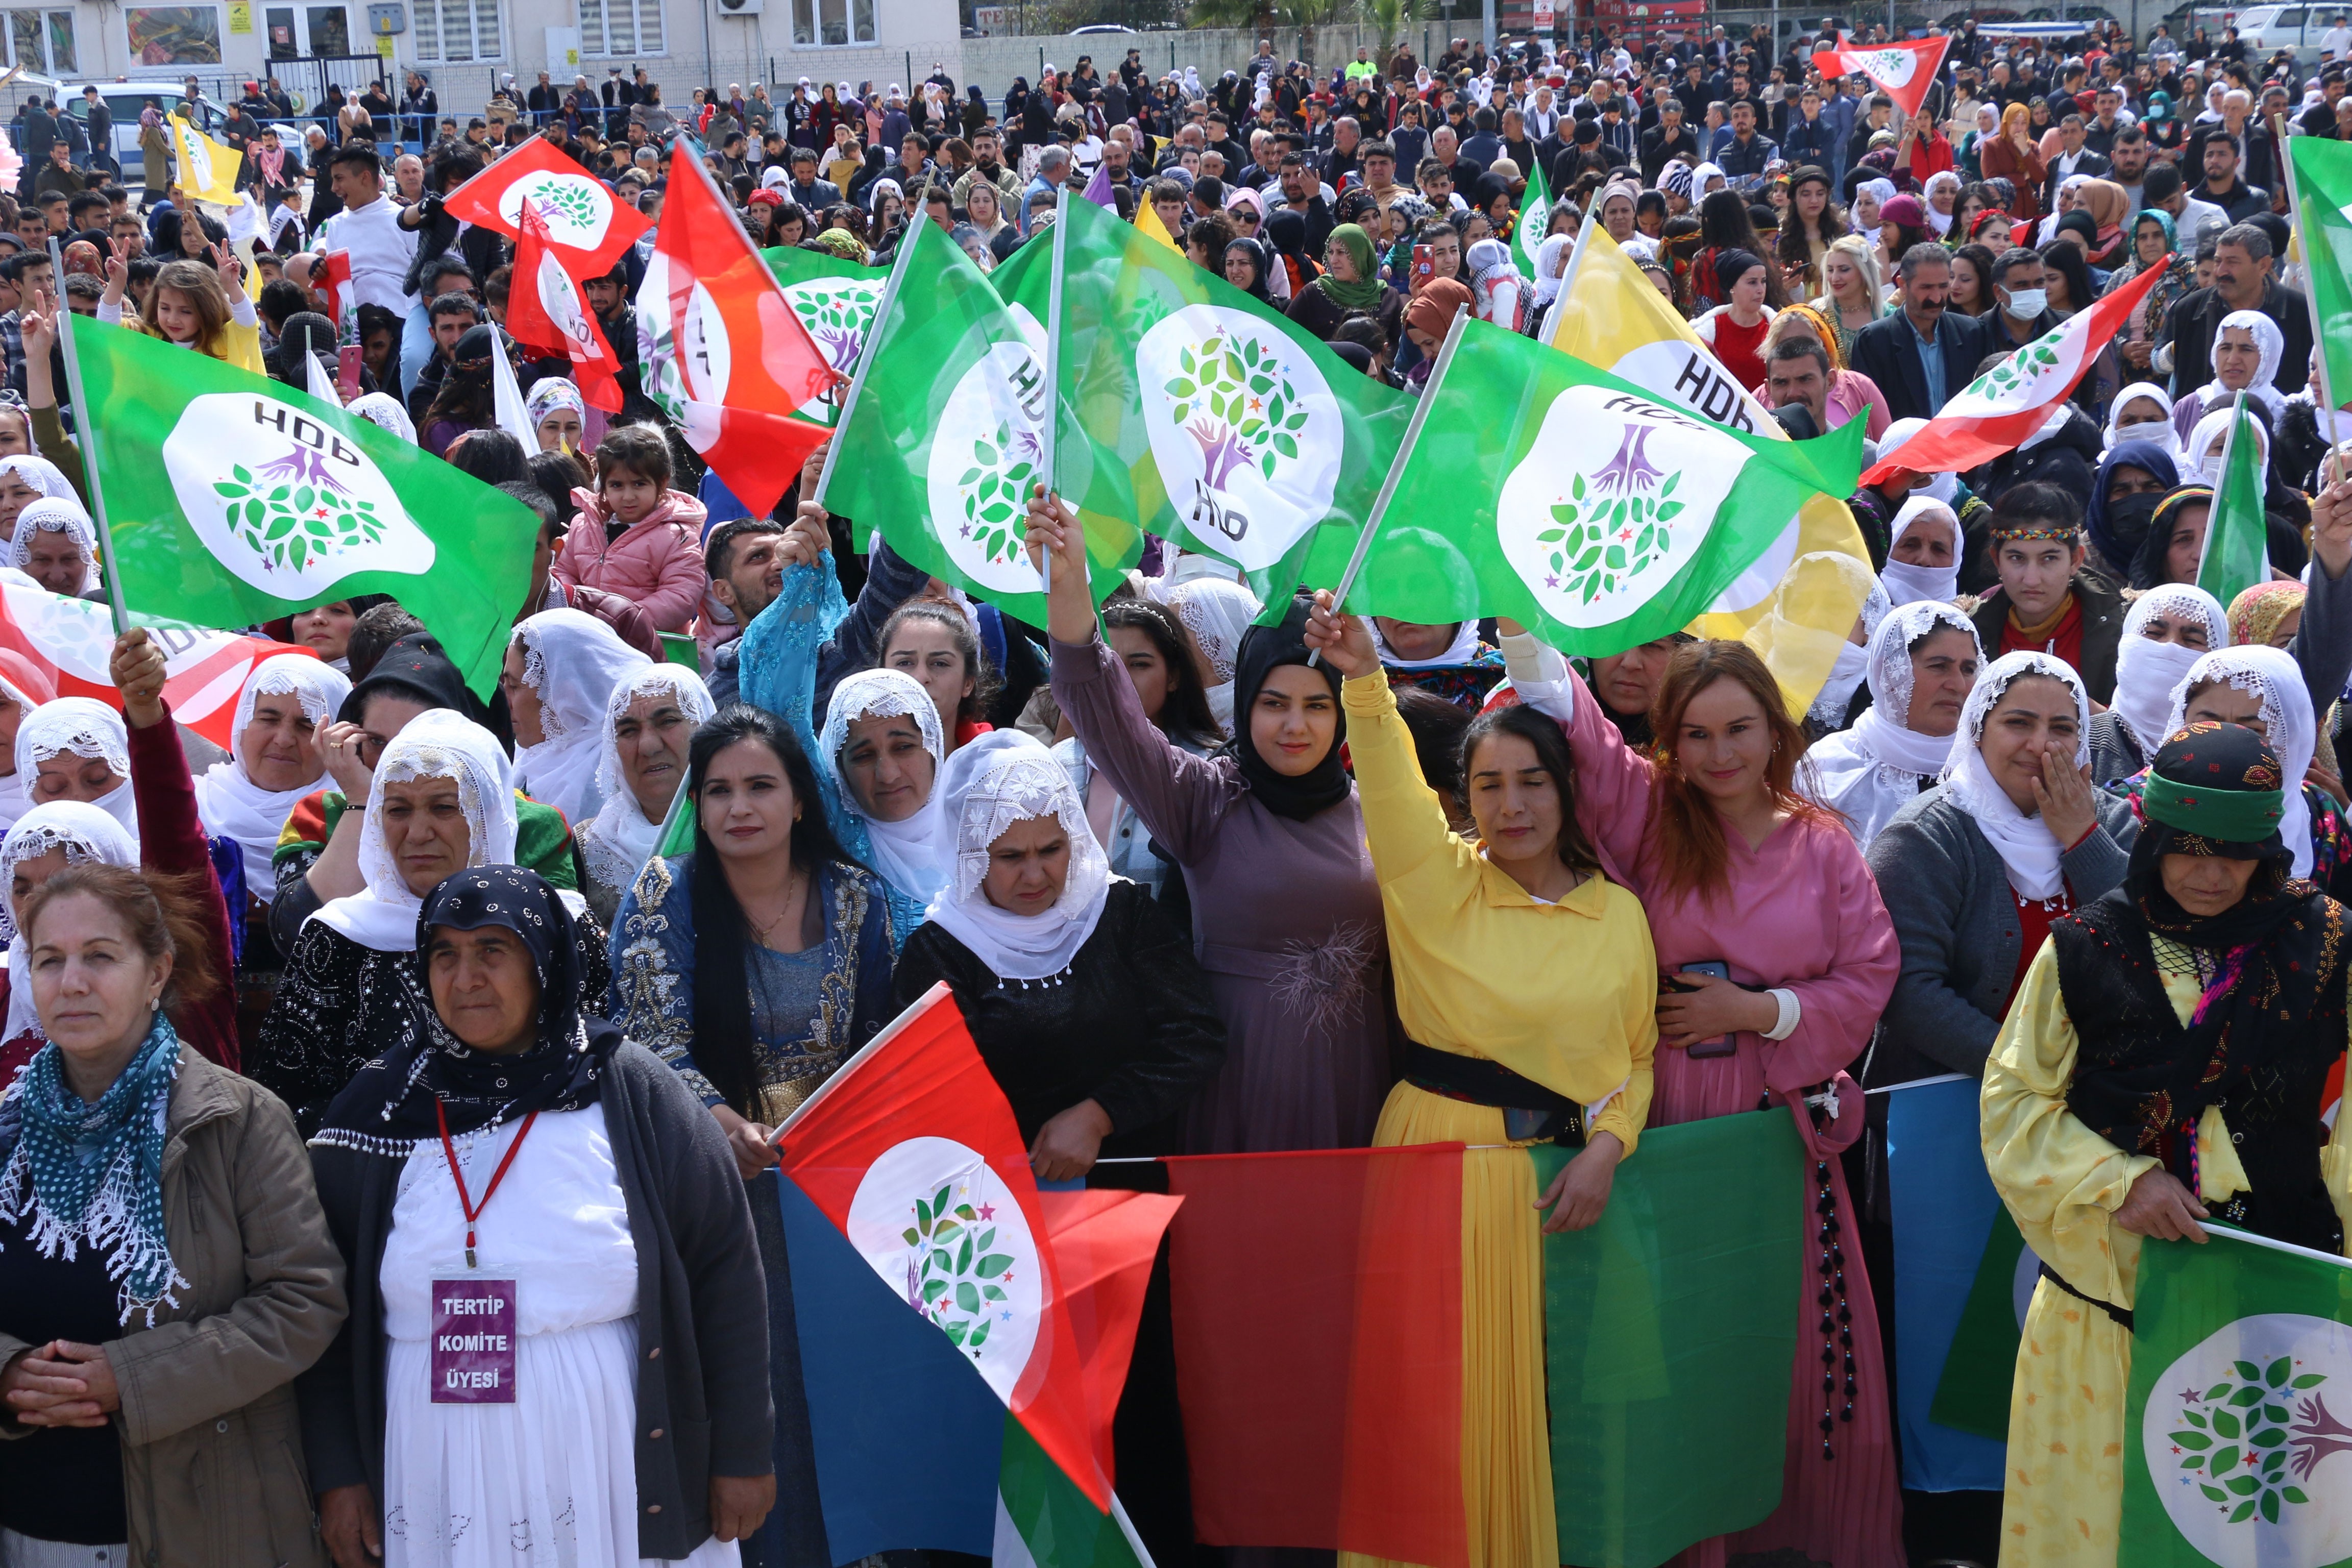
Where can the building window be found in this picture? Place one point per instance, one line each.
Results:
(821, 22)
(174, 35)
(450, 31)
(622, 27)
(42, 42)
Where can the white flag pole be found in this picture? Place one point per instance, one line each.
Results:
(86, 429)
(1053, 373)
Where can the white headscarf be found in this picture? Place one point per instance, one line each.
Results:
(2163, 435)
(87, 835)
(2214, 399)
(906, 852)
(2195, 453)
(1551, 267)
(384, 410)
(623, 840)
(231, 804)
(439, 743)
(40, 474)
(1945, 488)
(1705, 172)
(993, 781)
(1873, 770)
(1218, 613)
(573, 661)
(1460, 651)
(86, 728)
(2027, 847)
(1909, 584)
(1939, 224)
(2148, 671)
(55, 514)
(1853, 663)
(2292, 729)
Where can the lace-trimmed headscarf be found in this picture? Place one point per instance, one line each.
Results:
(39, 473)
(993, 781)
(89, 836)
(1218, 613)
(2027, 851)
(624, 840)
(231, 804)
(906, 851)
(573, 661)
(2290, 728)
(2148, 671)
(438, 744)
(1874, 769)
(55, 514)
(83, 727)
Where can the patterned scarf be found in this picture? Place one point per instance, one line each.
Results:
(92, 1174)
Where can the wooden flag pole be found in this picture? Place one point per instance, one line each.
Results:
(85, 427)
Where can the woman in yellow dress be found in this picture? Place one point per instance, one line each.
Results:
(2162, 1064)
(1527, 984)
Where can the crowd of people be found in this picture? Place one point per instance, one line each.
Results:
(1202, 874)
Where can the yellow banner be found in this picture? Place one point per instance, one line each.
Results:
(207, 169)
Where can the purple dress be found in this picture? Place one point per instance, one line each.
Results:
(1285, 919)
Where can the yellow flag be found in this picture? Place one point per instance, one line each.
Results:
(1147, 218)
(207, 169)
(1797, 603)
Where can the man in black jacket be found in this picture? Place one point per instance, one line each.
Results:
(1922, 354)
(2243, 281)
(1670, 139)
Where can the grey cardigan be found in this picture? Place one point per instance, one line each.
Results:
(1955, 919)
(702, 1312)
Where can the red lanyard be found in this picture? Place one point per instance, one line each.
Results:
(474, 1210)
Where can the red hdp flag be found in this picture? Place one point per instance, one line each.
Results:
(721, 325)
(911, 1150)
(1997, 411)
(1903, 71)
(1319, 1348)
(545, 312)
(586, 224)
(69, 641)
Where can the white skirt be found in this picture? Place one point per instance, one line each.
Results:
(548, 1481)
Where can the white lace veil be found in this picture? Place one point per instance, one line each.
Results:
(86, 728)
(993, 781)
(231, 804)
(620, 840)
(572, 660)
(87, 835)
(905, 852)
(1218, 613)
(2291, 729)
(2146, 670)
(2027, 851)
(1872, 771)
(55, 514)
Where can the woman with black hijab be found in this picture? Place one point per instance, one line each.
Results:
(1286, 911)
(2164, 1063)
(513, 1137)
(1245, 270)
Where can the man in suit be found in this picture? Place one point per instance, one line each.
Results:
(1922, 354)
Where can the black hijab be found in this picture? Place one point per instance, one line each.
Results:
(1258, 266)
(390, 1104)
(1287, 231)
(416, 667)
(1263, 650)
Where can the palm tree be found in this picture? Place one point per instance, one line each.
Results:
(1391, 17)
(1305, 15)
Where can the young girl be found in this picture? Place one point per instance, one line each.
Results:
(204, 311)
(635, 536)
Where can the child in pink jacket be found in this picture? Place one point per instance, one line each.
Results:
(635, 536)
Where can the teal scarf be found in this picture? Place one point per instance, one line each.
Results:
(80, 1174)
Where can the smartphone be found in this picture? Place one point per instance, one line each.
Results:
(347, 370)
(1424, 261)
(1722, 1044)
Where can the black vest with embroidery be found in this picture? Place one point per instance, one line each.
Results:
(2142, 1079)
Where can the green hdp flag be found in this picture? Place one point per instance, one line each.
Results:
(1535, 218)
(2237, 536)
(2322, 171)
(1043, 1520)
(1972, 1394)
(234, 499)
(1242, 432)
(1669, 1343)
(947, 434)
(2238, 1432)
(834, 300)
(1546, 489)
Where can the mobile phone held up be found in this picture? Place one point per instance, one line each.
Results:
(1722, 1044)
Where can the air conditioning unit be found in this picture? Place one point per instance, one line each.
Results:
(742, 7)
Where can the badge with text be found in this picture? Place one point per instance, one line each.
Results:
(473, 1341)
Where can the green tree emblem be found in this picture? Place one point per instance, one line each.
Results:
(1599, 542)
(953, 1278)
(2238, 1446)
(993, 490)
(566, 201)
(1244, 410)
(292, 512)
(837, 319)
(2016, 371)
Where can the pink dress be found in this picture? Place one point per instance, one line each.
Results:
(1803, 914)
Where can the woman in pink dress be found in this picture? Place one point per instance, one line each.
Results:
(1735, 867)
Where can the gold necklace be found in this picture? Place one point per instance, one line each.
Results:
(792, 887)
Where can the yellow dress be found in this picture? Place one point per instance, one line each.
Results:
(2062, 1498)
(1562, 994)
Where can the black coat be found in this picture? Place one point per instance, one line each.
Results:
(702, 1309)
(2196, 320)
(1887, 351)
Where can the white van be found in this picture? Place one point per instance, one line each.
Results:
(2263, 29)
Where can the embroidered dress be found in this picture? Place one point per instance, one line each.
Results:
(551, 1478)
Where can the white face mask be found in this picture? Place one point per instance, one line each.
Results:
(2027, 304)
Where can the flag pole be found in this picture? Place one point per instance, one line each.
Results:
(865, 358)
(85, 427)
(1396, 465)
(2310, 258)
(1053, 373)
(1568, 280)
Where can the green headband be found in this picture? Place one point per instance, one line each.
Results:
(2228, 816)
